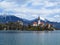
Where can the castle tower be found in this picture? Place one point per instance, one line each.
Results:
(38, 20)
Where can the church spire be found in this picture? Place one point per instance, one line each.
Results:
(38, 17)
(38, 20)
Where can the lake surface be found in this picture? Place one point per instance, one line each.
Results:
(30, 38)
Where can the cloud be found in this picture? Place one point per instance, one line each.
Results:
(31, 9)
(57, 16)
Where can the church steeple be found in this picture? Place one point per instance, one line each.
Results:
(38, 20)
(38, 17)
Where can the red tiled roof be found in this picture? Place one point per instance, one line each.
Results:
(34, 22)
(42, 22)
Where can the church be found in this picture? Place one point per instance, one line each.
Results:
(37, 23)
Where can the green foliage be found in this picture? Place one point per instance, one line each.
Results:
(18, 26)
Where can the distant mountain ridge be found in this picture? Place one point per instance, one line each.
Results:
(9, 18)
(12, 18)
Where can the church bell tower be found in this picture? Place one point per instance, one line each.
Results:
(38, 20)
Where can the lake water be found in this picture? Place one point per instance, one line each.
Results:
(30, 38)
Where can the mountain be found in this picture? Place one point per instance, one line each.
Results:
(12, 18)
(9, 18)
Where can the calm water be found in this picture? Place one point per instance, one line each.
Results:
(30, 38)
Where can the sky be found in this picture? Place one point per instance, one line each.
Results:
(31, 9)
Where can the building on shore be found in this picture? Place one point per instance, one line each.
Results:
(37, 23)
(42, 24)
(20, 22)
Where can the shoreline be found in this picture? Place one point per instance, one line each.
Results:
(18, 31)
